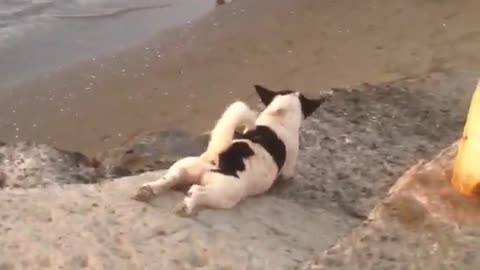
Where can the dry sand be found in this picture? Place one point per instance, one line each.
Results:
(186, 76)
(353, 150)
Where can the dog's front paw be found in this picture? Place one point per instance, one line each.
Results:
(144, 194)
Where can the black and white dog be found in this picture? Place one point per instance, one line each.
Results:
(233, 169)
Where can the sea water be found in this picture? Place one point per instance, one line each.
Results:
(39, 35)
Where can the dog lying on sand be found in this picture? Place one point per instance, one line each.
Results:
(233, 169)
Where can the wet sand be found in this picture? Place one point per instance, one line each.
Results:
(187, 75)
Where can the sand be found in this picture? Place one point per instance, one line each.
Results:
(186, 76)
(353, 150)
(98, 228)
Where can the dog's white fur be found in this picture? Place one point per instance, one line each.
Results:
(238, 114)
(216, 190)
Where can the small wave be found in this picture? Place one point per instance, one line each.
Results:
(108, 13)
(11, 31)
(33, 9)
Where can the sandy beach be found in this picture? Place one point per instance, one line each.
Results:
(185, 76)
(372, 185)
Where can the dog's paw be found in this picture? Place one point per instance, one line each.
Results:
(186, 208)
(144, 194)
(182, 210)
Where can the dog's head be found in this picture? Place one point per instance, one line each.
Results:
(287, 103)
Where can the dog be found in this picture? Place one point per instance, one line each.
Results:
(232, 169)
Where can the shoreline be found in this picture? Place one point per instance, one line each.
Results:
(186, 76)
(58, 37)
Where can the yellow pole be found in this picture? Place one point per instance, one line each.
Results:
(466, 170)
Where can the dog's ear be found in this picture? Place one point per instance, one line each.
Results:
(309, 105)
(266, 95)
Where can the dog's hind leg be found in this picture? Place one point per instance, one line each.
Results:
(237, 114)
(218, 191)
(188, 170)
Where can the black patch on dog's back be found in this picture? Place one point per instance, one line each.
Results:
(270, 141)
(230, 162)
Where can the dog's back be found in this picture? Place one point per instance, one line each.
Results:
(261, 154)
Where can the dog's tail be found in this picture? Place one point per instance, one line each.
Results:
(236, 115)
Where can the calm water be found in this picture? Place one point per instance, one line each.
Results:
(40, 35)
